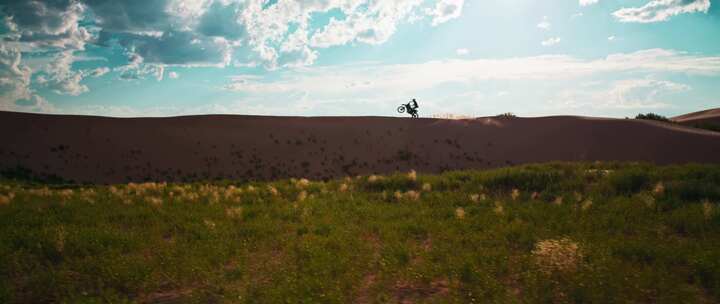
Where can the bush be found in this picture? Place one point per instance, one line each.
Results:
(523, 179)
(693, 190)
(652, 116)
(629, 181)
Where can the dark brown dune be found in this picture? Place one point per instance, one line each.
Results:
(707, 117)
(113, 150)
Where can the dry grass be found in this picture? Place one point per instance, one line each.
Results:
(302, 183)
(557, 255)
(234, 212)
(375, 178)
(460, 213)
(6, 199)
(499, 209)
(515, 194)
(586, 205)
(302, 196)
(708, 209)
(412, 175)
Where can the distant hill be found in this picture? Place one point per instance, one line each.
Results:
(707, 116)
(113, 150)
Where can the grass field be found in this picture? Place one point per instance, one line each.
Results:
(553, 233)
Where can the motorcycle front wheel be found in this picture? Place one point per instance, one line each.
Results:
(401, 109)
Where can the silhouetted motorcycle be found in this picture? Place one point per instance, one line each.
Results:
(406, 107)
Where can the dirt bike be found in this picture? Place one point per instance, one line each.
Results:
(406, 107)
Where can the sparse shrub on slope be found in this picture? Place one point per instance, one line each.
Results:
(547, 180)
(629, 181)
(652, 116)
(400, 181)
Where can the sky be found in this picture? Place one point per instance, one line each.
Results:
(611, 58)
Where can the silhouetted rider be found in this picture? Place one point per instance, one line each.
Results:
(413, 105)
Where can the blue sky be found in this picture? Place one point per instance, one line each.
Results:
(358, 57)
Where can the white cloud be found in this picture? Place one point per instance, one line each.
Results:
(622, 94)
(179, 48)
(661, 10)
(446, 10)
(544, 24)
(137, 70)
(551, 41)
(462, 52)
(45, 24)
(373, 26)
(385, 77)
(14, 77)
(98, 72)
(588, 2)
(60, 76)
(194, 33)
(15, 91)
(611, 38)
(577, 15)
(384, 84)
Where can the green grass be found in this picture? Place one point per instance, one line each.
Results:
(643, 234)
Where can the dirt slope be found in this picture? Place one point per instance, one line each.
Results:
(711, 116)
(109, 150)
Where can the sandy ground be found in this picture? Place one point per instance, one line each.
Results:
(113, 150)
(711, 116)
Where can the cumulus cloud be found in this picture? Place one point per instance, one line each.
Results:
(373, 24)
(131, 15)
(462, 52)
(178, 48)
(192, 33)
(45, 23)
(188, 26)
(588, 2)
(141, 71)
(14, 77)
(61, 78)
(222, 20)
(551, 41)
(15, 91)
(661, 10)
(446, 10)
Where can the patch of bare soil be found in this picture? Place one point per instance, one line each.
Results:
(408, 293)
(172, 296)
